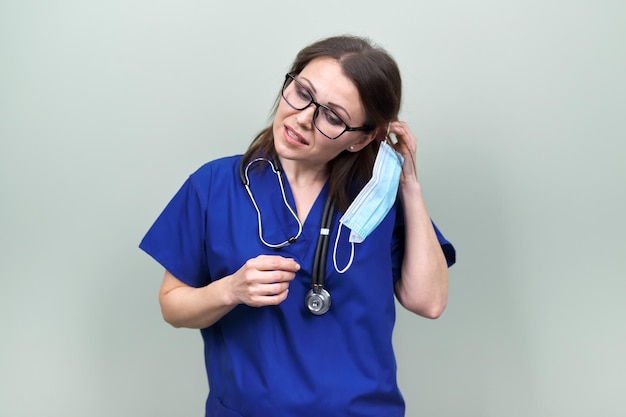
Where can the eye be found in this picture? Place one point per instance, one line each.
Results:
(302, 92)
(331, 117)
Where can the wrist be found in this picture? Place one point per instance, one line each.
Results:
(410, 189)
(224, 291)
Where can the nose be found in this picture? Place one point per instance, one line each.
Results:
(305, 116)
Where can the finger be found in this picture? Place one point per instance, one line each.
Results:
(275, 263)
(402, 130)
(271, 277)
(257, 294)
(407, 146)
(276, 288)
(271, 300)
(260, 278)
(407, 143)
(267, 294)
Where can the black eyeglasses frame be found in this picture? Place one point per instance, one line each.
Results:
(289, 77)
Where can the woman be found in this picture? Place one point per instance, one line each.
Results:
(254, 246)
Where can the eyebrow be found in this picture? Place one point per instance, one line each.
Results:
(330, 104)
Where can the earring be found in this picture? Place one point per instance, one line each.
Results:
(351, 147)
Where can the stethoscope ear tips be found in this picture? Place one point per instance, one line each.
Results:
(390, 135)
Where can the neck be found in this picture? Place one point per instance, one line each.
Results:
(306, 182)
(304, 175)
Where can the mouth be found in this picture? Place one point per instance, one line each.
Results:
(294, 137)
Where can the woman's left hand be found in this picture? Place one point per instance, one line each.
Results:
(407, 146)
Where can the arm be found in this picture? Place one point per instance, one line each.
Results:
(423, 286)
(261, 281)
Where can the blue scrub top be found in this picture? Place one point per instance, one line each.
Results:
(282, 360)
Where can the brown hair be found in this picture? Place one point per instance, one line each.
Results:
(377, 79)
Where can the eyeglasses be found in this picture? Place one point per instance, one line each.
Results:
(329, 124)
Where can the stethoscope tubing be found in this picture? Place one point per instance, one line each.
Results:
(321, 249)
(245, 180)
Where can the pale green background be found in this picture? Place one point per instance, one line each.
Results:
(106, 107)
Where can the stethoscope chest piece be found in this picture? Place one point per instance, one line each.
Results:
(318, 303)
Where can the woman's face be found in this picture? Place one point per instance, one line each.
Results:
(295, 135)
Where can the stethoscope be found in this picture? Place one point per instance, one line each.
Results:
(317, 299)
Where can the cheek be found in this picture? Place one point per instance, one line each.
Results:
(283, 110)
(333, 148)
(279, 117)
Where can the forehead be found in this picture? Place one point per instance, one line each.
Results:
(326, 79)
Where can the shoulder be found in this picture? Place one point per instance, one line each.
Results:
(215, 178)
(215, 170)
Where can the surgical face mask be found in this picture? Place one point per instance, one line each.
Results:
(370, 207)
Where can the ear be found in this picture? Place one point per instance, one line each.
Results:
(364, 140)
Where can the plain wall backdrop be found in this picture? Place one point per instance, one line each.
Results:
(519, 108)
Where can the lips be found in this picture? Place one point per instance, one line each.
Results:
(292, 137)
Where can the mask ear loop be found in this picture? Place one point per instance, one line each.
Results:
(341, 271)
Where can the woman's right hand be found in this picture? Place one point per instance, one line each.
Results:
(262, 281)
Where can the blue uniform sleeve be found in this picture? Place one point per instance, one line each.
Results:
(397, 245)
(176, 239)
(446, 246)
